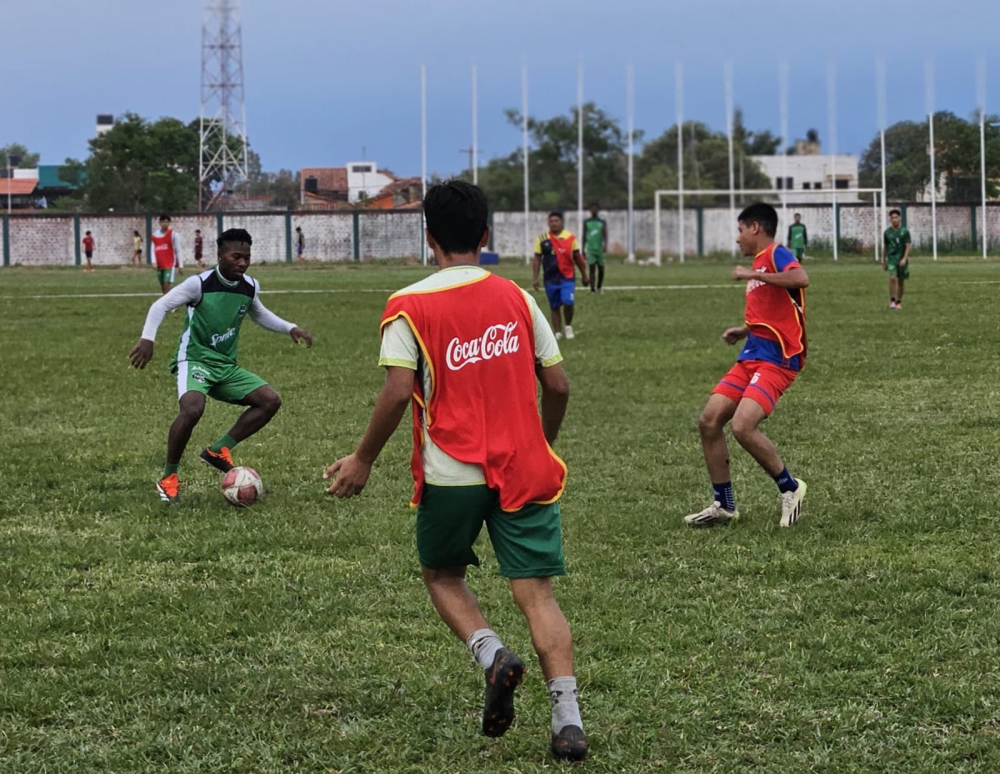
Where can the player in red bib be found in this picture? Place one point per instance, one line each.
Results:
(166, 252)
(469, 348)
(774, 353)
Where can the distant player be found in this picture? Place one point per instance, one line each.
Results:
(468, 348)
(771, 359)
(557, 253)
(896, 257)
(595, 245)
(300, 243)
(199, 246)
(217, 302)
(166, 250)
(88, 249)
(136, 249)
(798, 239)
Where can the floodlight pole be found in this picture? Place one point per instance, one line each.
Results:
(579, 148)
(679, 95)
(630, 82)
(475, 125)
(728, 71)
(831, 106)
(880, 81)
(981, 88)
(524, 152)
(423, 159)
(783, 85)
(929, 87)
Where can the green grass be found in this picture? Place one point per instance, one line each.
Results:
(297, 636)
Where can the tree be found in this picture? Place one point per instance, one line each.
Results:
(552, 163)
(956, 146)
(28, 160)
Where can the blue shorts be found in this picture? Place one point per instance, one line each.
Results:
(561, 293)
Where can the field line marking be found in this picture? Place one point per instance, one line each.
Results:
(320, 291)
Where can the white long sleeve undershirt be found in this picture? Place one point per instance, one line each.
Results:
(189, 293)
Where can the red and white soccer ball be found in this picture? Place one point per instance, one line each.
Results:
(242, 486)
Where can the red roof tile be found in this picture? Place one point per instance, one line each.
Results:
(19, 186)
(327, 178)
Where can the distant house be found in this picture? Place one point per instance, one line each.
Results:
(21, 190)
(399, 194)
(811, 172)
(324, 187)
(50, 185)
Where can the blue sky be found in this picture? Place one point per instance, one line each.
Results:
(326, 77)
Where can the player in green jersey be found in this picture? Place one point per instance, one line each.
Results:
(595, 245)
(217, 301)
(798, 239)
(896, 258)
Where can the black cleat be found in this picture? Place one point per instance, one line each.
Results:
(570, 744)
(498, 703)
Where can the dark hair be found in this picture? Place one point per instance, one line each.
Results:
(164, 217)
(88, 232)
(197, 231)
(298, 228)
(762, 214)
(234, 235)
(895, 212)
(595, 206)
(557, 214)
(456, 214)
(136, 233)
(798, 214)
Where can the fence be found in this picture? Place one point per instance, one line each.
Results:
(55, 240)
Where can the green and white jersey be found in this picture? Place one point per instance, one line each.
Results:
(593, 236)
(797, 237)
(896, 241)
(216, 309)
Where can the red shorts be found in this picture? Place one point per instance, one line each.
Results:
(758, 380)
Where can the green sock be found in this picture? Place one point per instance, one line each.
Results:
(226, 441)
(169, 468)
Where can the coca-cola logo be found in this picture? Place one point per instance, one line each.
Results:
(497, 340)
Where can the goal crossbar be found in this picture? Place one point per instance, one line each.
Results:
(878, 201)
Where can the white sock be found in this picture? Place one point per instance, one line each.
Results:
(565, 706)
(483, 644)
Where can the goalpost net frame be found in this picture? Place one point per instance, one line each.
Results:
(878, 203)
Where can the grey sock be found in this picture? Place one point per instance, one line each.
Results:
(565, 709)
(483, 644)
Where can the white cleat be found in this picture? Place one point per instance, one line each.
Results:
(791, 504)
(712, 516)
(569, 332)
(558, 335)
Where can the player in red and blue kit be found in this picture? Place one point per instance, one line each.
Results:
(772, 357)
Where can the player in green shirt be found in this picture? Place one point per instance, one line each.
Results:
(217, 301)
(896, 258)
(595, 245)
(798, 239)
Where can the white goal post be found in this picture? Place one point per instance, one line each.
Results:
(782, 197)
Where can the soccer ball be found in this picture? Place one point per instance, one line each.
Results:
(242, 486)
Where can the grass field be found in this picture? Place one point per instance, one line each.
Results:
(298, 637)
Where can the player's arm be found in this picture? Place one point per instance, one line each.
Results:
(188, 292)
(578, 259)
(906, 251)
(536, 264)
(805, 236)
(352, 472)
(788, 239)
(604, 234)
(550, 372)
(177, 254)
(269, 321)
(790, 279)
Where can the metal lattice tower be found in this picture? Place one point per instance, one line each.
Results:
(223, 153)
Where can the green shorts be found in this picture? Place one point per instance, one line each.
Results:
(164, 275)
(230, 383)
(902, 271)
(800, 253)
(595, 257)
(528, 543)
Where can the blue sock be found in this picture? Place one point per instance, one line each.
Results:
(724, 495)
(785, 481)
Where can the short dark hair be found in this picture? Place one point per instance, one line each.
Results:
(895, 212)
(88, 232)
(298, 228)
(197, 231)
(234, 235)
(798, 214)
(164, 217)
(595, 206)
(762, 214)
(558, 214)
(457, 215)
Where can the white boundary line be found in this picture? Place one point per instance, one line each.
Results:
(387, 291)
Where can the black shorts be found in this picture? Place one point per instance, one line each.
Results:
(89, 253)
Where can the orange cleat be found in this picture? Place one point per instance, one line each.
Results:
(169, 488)
(221, 461)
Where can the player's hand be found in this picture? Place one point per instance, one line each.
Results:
(732, 335)
(885, 266)
(352, 475)
(141, 353)
(180, 270)
(742, 273)
(904, 262)
(534, 284)
(301, 334)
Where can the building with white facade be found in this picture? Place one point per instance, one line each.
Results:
(811, 173)
(364, 180)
